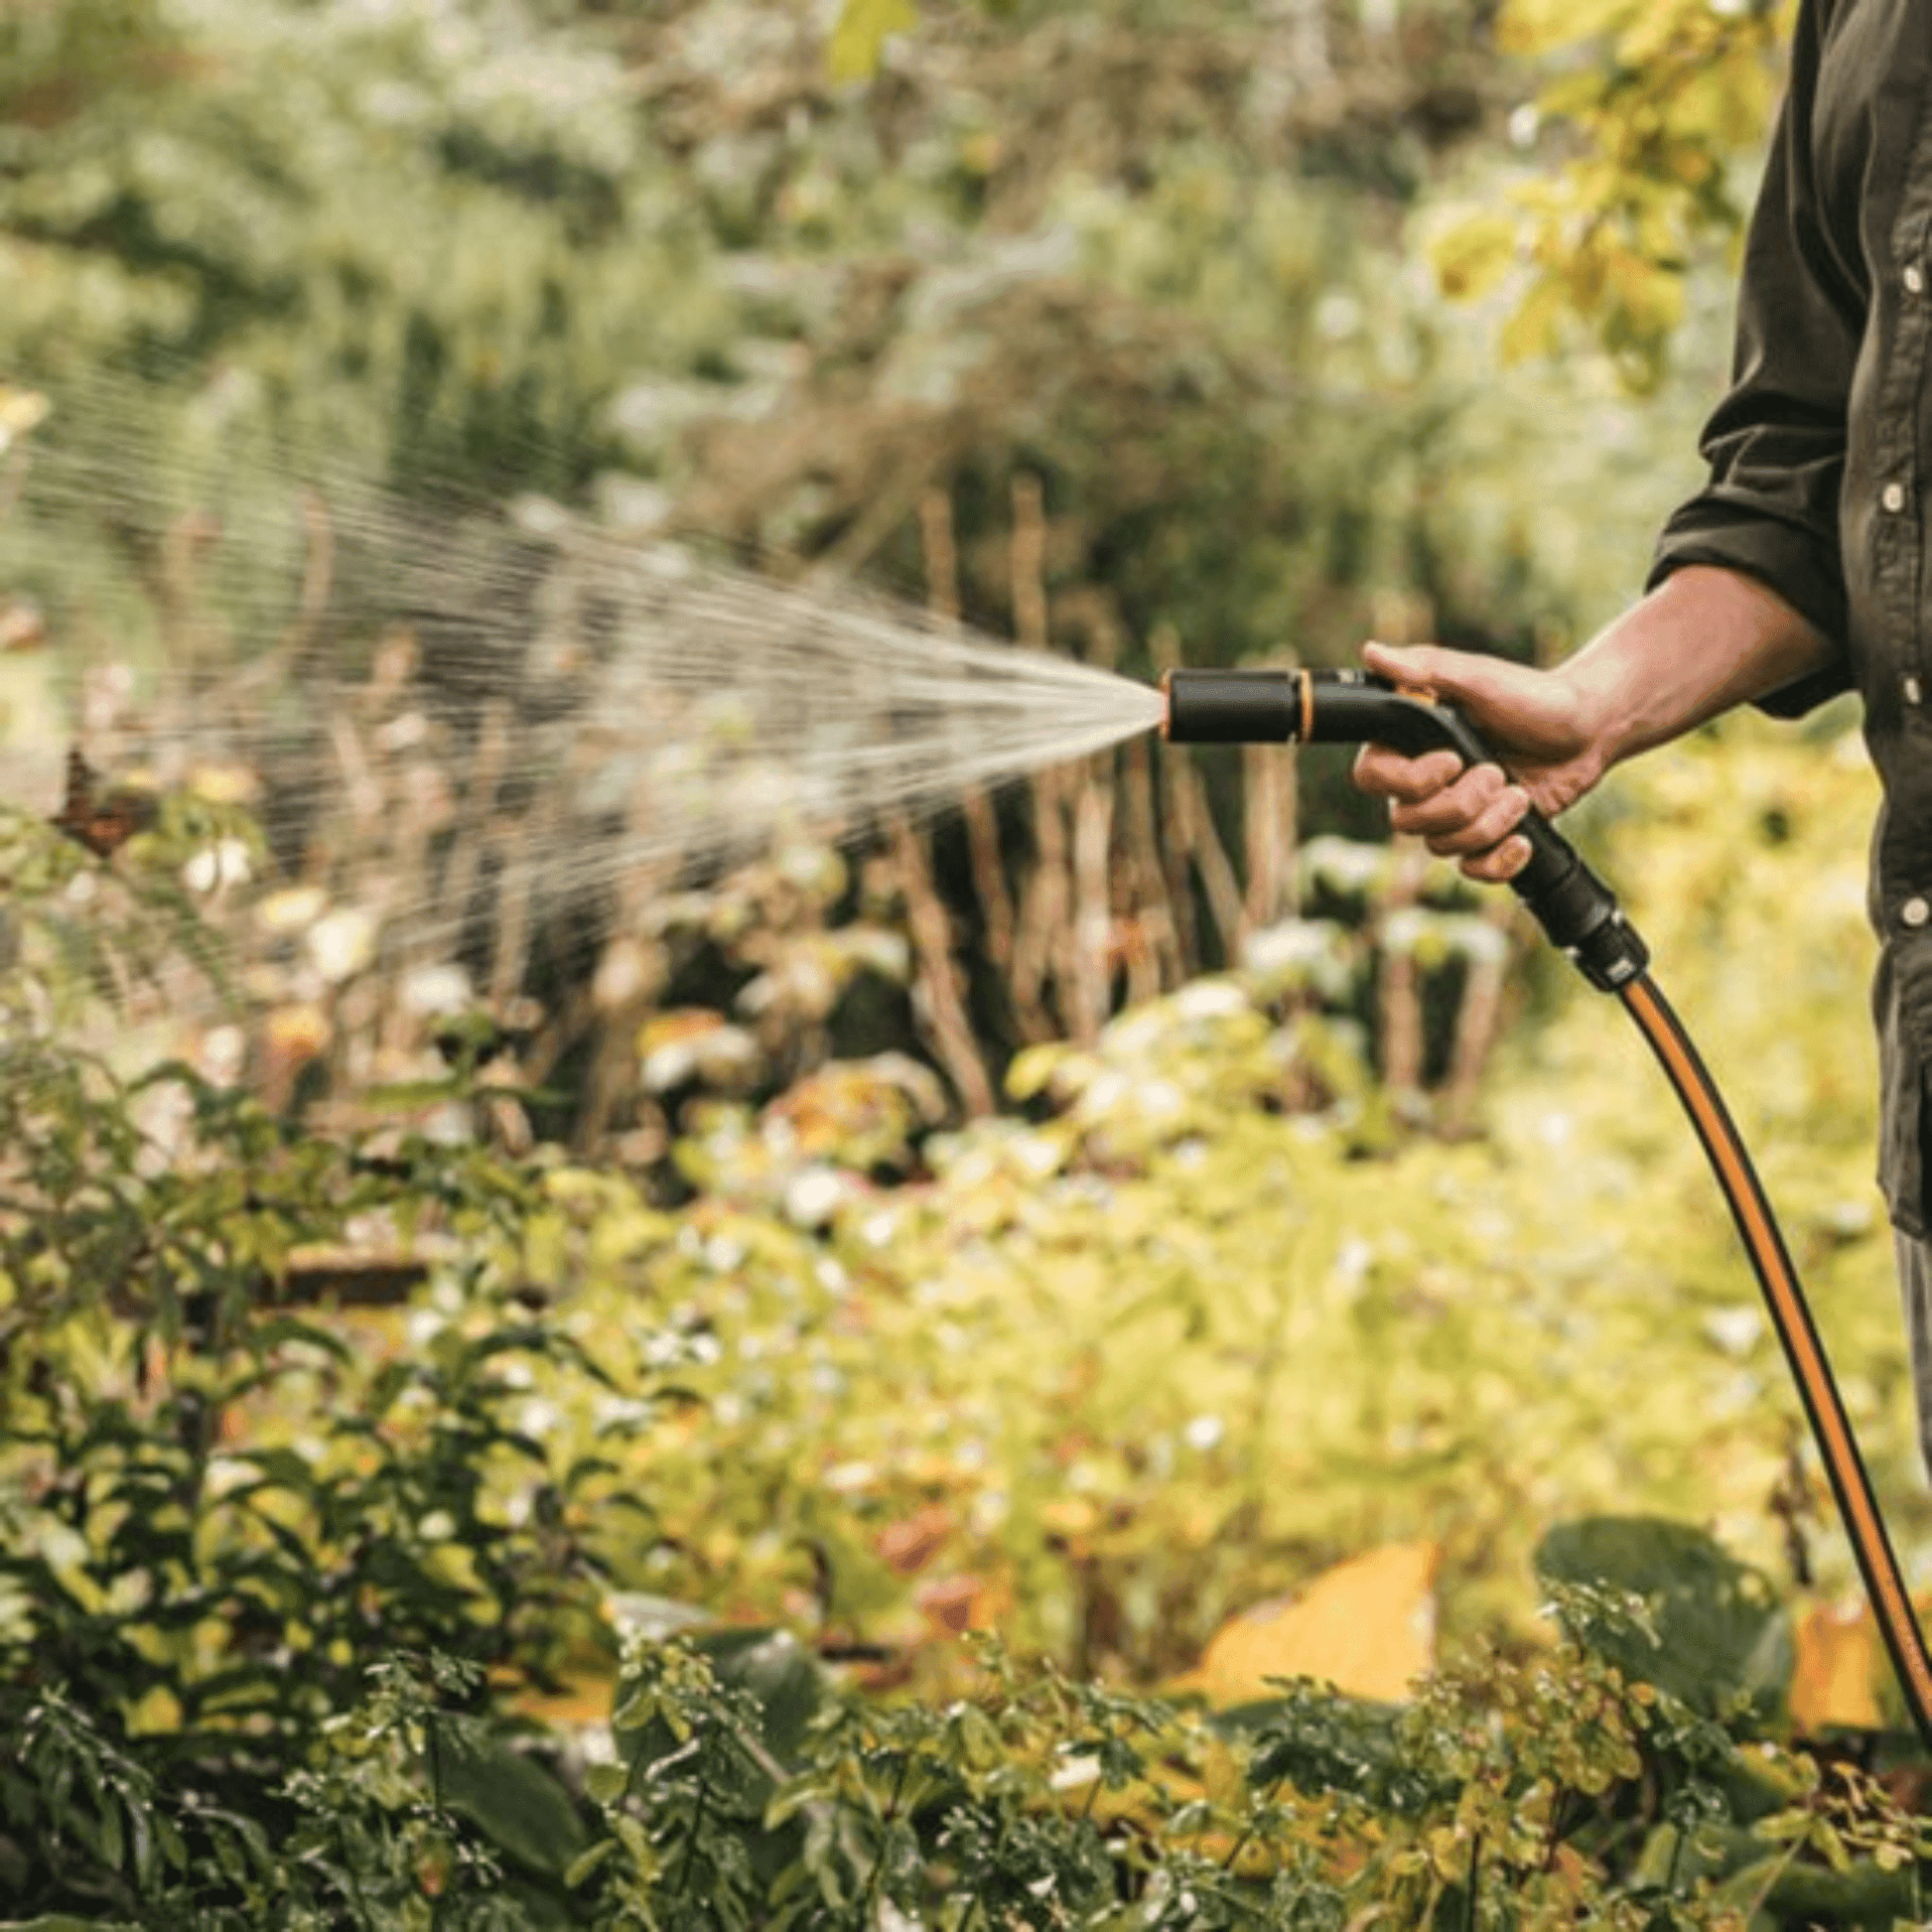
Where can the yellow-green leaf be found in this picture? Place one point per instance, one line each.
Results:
(861, 35)
(1472, 254)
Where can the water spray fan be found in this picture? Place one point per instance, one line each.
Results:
(1580, 915)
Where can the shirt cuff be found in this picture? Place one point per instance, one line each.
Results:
(1787, 559)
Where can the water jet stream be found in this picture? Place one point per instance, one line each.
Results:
(506, 694)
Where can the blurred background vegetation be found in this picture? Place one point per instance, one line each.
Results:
(1089, 1216)
(1120, 333)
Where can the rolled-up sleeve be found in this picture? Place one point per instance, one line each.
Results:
(1776, 443)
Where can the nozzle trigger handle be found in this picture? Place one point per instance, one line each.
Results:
(1572, 905)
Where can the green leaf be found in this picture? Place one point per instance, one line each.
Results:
(859, 36)
(1708, 1628)
(777, 1670)
(508, 1796)
(598, 1853)
(1803, 1895)
(67, 1922)
(1472, 256)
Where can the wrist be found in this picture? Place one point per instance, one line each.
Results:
(1702, 641)
(1603, 696)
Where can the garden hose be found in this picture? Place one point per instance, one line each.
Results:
(1582, 916)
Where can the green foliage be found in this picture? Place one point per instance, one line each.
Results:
(1664, 104)
(53, 58)
(688, 271)
(423, 262)
(215, 1525)
(343, 262)
(1707, 1629)
(282, 1597)
(1521, 1795)
(1279, 1328)
(321, 1617)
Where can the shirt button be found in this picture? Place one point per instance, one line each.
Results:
(1892, 497)
(1914, 279)
(1914, 913)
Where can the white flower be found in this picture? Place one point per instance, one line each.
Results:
(342, 943)
(1735, 1330)
(435, 990)
(1215, 999)
(291, 910)
(1203, 1432)
(539, 1419)
(224, 863)
(813, 1198)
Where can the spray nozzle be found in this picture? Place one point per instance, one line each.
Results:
(1572, 905)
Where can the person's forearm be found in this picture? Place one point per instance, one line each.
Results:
(1704, 641)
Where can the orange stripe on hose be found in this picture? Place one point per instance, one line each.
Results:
(1793, 1319)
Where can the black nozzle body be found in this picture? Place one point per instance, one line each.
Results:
(1572, 904)
(1233, 707)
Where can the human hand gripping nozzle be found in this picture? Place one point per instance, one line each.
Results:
(1574, 906)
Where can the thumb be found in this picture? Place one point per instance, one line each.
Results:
(1490, 689)
(1435, 671)
(1525, 713)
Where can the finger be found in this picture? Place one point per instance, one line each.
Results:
(1511, 698)
(1390, 775)
(1488, 829)
(1454, 808)
(1501, 864)
(1414, 666)
(1437, 669)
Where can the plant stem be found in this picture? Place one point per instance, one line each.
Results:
(1247, 1835)
(691, 1844)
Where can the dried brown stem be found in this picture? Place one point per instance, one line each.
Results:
(984, 855)
(1043, 909)
(366, 795)
(1399, 989)
(1085, 975)
(509, 954)
(1479, 1017)
(1217, 875)
(938, 981)
(1151, 947)
(1045, 905)
(465, 865)
(1177, 848)
(1028, 561)
(1268, 814)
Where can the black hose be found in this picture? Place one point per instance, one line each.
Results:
(1790, 1312)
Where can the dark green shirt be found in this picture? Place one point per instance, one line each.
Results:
(1819, 462)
